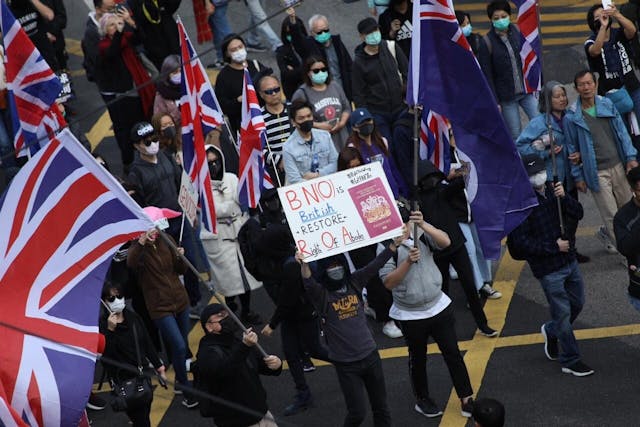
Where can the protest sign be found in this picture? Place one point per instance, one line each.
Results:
(188, 199)
(347, 210)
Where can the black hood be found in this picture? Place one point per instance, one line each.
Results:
(429, 176)
(320, 272)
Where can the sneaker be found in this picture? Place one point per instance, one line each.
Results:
(550, 345)
(581, 258)
(190, 402)
(427, 408)
(453, 274)
(177, 391)
(603, 236)
(301, 402)
(308, 366)
(488, 292)
(251, 318)
(487, 331)
(96, 403)
(187, 364)
(255, 48)
(391, 330)
(578, 369)
(466, 408)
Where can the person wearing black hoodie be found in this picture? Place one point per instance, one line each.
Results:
(434, 197)
(288, 57)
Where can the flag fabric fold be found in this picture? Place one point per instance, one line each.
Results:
(200, 113)
(253, 140)
(531, 50)
(61, 220)
(434, 135)
(453, 85)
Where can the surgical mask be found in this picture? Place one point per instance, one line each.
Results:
(539, 179)
(373, 39)
(319, 78)
(117, 305)
(169, 132)
(366, 129)
(501, 24)
(466, 30)
(176, 79)
(306, 126)
(239, 56)
(153, 148)
(323, 37)
(335, 273)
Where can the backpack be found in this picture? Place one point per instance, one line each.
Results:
(516, 252)
(261, 266)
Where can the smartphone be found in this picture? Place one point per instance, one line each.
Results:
(288, 3)
(120, 7)
(606, 4)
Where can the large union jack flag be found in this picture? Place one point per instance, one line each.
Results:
(530, 52)
(200, 112)
(434, 135)
(61, 220)
(32, 86)
(253, 139)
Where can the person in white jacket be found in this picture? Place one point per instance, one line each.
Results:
(229, 275)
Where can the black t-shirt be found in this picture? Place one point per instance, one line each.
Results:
(34, 25)
(614, 64)
(403, 35)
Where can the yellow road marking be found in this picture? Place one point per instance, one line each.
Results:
(544, 4)
(566, 29)
(73, 47)
(162, 400)
(100, 130)
(546, 42)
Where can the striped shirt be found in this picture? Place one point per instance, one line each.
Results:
(278, 130)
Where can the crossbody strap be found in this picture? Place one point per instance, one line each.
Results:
(135, 338)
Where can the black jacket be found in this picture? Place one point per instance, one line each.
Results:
(626, 227)
(496, 64)
(376, 83)
(230, 370)
(160, 39)
(156, 184)
(291, 79)
(90, 51)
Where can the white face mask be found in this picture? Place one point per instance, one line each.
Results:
(538, 179)
(239, 56)
(335, 273)
(153, 148)
(117, 305)
(176, 79)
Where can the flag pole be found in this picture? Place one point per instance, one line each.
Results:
(554, 163)
(417, 114)
(275, 167)
(208, 285)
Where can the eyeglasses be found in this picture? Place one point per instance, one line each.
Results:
(326, 30)
(271, 91)
(112, 298)
(318, 70)
(147, 142)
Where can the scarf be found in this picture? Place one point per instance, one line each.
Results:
(202, 21)
(169, 90)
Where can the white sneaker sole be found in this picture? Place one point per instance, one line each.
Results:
(418, 410)
(577, 374)
(546, 352)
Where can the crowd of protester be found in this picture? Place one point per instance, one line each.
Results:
(327, 109)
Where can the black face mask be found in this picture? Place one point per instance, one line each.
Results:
(215, 169)
(366, 129)
(229, 327)
(306, 126)
(272, 205)
(169, 132)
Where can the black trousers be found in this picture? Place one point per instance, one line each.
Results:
(442, 328)
(298, 337)
(140, 416)
(125, 113)
(460, 261)
(354, 379)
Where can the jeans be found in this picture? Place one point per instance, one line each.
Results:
(511, 113)
(265, 30)
(635, 96)
(354, 378)
(384, 123)
(442, 328)
(220, 27)
(297, 337)
(635, 302)
(614, 193)
(175, 331)
(481, 266)
(565, 293)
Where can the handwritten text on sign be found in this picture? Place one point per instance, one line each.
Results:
(342, 211)
(188, 199)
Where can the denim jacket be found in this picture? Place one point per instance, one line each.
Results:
(298, 155)
(579, 139)
(536, 128)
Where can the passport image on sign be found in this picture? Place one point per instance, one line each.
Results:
(375, 207)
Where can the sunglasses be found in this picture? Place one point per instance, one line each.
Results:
(326, 30)
(271, 91)
(112, 298)
(148, 141)
(318, 70)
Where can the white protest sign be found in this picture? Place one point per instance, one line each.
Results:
(188, 198)
(336, 213)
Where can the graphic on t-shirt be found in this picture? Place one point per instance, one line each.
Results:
(346, 307)
(405, 31)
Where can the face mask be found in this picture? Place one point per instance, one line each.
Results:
(366, 129)
(153, 148)
(117, 305)
(466, 30)
(239, 56)
(323, 37)
(305, 127)
(176, 79)
(373, 39)
(272, 205)
(214, 169)
(319, 78)
(169, 132)
(229, 327)
(539, 179)
(501, 24)
(335, 273)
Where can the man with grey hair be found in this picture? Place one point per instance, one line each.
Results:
(324, 44)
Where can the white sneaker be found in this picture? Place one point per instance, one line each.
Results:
(453, 274)
(490, 293)
(391, 330)
(603, 236)
(187, 364)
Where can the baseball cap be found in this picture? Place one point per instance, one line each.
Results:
(359, 115)
(140, 131)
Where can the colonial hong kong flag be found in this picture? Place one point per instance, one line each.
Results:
(253, 139)
(61, 220)
(531, 52)
(200, 113)
(434, 137)
(446, 78)
(32, 86)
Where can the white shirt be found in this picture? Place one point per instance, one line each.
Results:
(400, 314)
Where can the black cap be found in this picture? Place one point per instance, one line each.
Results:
(367, 25)
(404, 207)
(209, 311)
(140, 131)
(533, 164)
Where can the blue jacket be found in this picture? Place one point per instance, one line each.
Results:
(536, 128)
(579, 139)
(298, 155)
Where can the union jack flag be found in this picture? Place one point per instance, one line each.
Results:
(200, 114)
(434, 135)
(32, 86)
(530, 52)
(61, 220)
(253, 139)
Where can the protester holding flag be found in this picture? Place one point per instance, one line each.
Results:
(501, 63)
